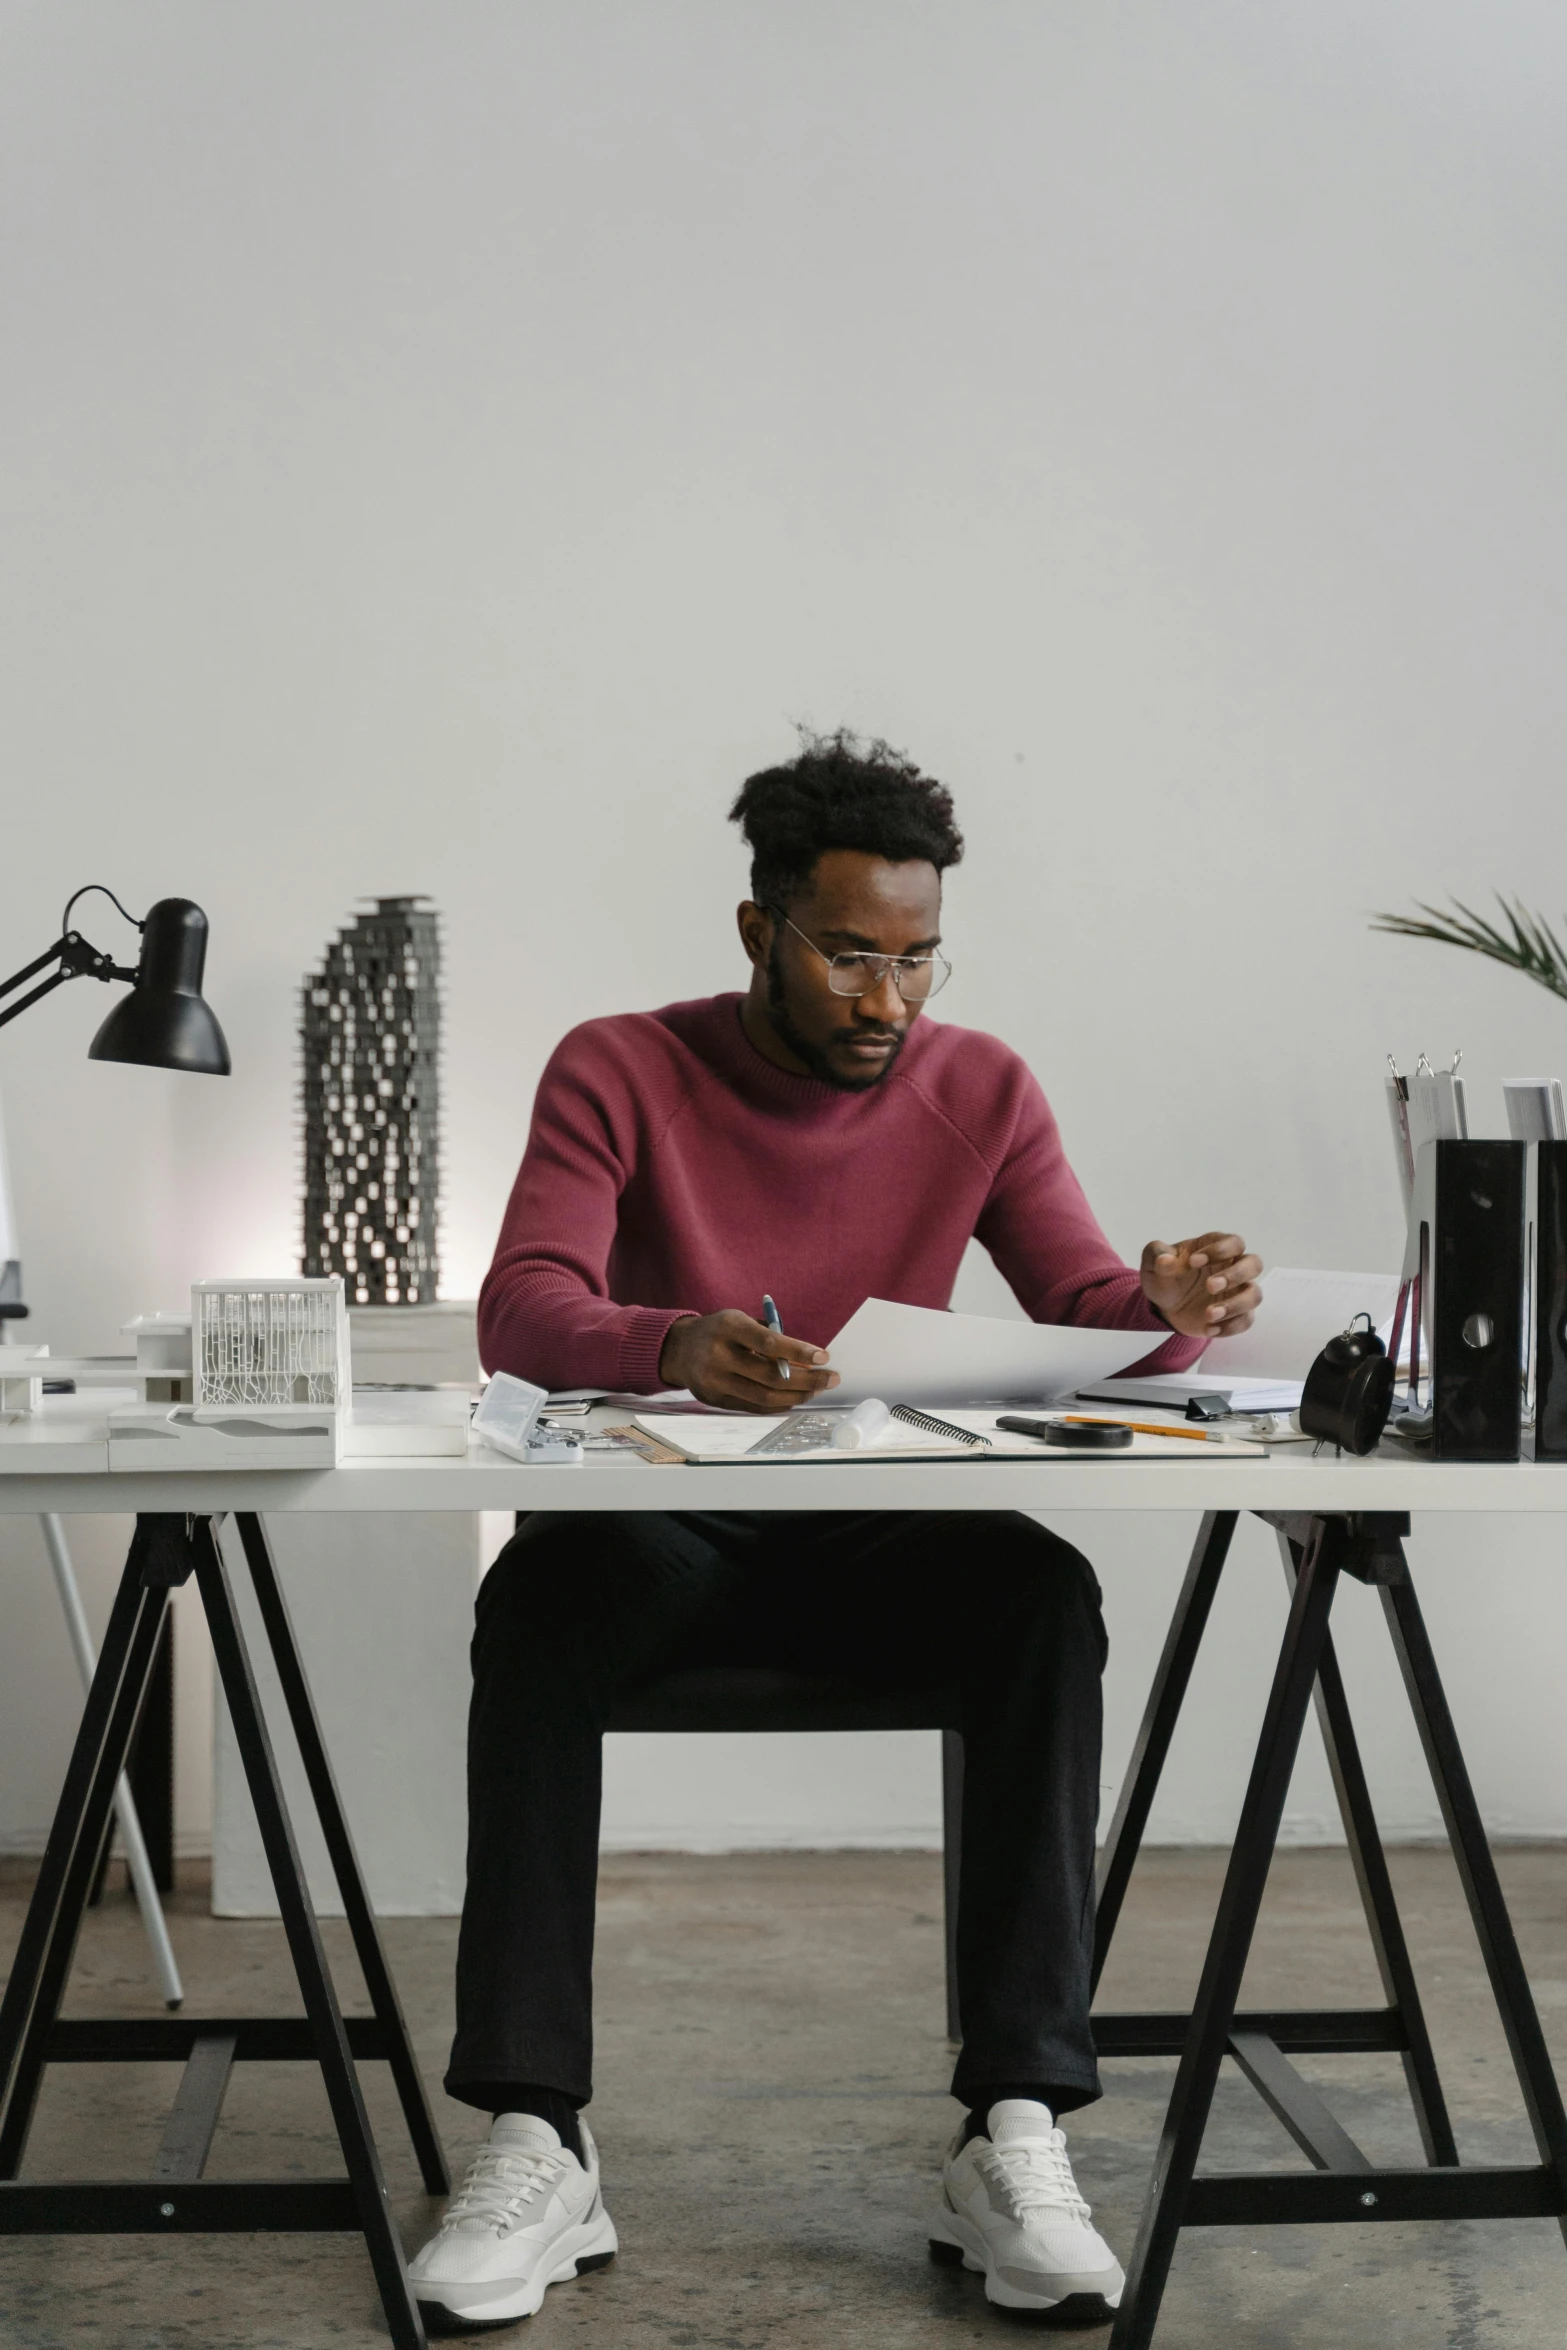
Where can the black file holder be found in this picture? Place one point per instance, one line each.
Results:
(1550, 1304)
(177, 2200)
(1477, 1302)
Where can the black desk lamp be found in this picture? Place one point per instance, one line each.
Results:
(164, 1023)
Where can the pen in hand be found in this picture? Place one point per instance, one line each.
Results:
(770, 1317)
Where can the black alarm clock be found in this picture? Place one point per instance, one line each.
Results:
(1349, 1390)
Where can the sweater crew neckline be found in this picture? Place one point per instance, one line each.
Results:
(740, 1058)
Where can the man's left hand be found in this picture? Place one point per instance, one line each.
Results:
(1205, 1288)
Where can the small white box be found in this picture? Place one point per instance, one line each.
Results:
(407, 1424)
(508, 1420)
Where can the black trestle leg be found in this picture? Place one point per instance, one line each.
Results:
(43, 1909)
(1482, 1888)
(304, 1942)
(43, 1963)
(1377, 1899)
(952, 1869)
(150, 1764)
(1141, 1783)
(1225, 1965)
(340, 1847)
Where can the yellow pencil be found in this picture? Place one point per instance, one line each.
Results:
(1138, 1427)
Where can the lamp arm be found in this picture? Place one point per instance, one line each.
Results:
(77, 960)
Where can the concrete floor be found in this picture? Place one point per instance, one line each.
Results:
(772, 2113)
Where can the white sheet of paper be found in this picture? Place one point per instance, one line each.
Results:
(667, 1399)
(1301, 1310)
(913, 1354)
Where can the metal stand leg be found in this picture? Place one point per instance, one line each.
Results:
(125, 1812)
(1376, 1891)
(1477, 1872)
(1160, 1716)
(1247, 1875)
(304, 1942)
(340, 1847)
(952, 1866)
(48, 1939)
(1343, 2184)
(150, 1764)
(177, 2198)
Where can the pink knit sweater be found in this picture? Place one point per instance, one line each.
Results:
(671, 1169)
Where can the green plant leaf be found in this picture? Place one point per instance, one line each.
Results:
(1527, 944)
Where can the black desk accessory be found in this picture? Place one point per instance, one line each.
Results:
(1208, 1407)
(1349, 1390)
(1550, 1304)
(165, 1022)
(1465, 1260)
(1071, 1435)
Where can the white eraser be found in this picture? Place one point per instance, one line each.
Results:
(865, 1425)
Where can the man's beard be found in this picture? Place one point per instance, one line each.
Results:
(811, 1054)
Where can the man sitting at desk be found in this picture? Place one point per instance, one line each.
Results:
(814, 1138)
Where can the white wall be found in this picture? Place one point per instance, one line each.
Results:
(445, 448)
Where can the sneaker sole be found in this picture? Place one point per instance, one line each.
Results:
(959, 2249)
(592, 2244)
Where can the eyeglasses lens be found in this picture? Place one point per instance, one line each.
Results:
(916, 980)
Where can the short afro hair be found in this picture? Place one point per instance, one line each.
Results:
(840, 794)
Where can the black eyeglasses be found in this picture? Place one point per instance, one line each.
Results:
(916, 977)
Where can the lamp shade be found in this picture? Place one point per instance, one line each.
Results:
(165, 1023)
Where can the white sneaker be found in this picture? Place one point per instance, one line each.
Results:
(527, 2216)
(1010, 2207)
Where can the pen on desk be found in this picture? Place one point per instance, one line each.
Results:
(770, 1317)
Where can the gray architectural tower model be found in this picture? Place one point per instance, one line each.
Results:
(371, 1037)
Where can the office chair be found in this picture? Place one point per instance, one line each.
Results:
(746, 1697)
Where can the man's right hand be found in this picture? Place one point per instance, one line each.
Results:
(728, 1360)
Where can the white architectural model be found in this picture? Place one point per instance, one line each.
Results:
(270, 1381)
(270, 1345)
(257, 1376)
(159, 1370)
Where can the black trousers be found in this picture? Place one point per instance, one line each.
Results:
(578, 1609)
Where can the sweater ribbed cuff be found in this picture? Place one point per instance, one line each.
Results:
(642, 1342)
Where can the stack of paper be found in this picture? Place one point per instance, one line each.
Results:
(1173, 1394)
